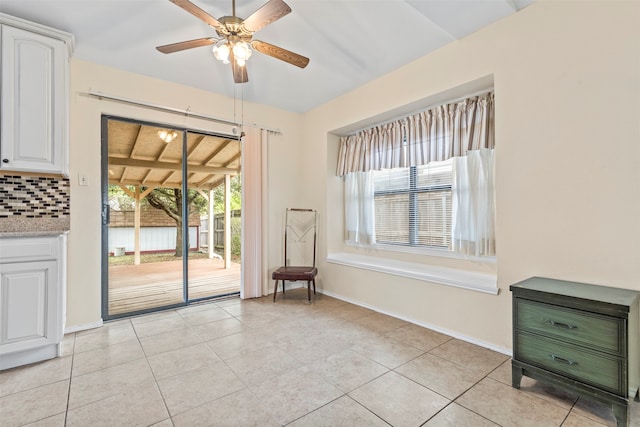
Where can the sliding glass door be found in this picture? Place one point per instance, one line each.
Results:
(159, 187)
(214, 189)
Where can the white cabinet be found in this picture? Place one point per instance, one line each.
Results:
(34, 88)
(32, 293)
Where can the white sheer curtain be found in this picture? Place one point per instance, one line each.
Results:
(359, 208)
(254, 252)
(473, 204)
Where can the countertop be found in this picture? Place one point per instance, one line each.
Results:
(16, 226)
(10, 234)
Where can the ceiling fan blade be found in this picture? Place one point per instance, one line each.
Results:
(200, 14)
(280, 53)
(269, 12)
(239, 73)
(177, 47)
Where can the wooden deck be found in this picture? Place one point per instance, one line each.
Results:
(140, 287)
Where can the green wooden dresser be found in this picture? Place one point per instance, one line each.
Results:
(580, 337)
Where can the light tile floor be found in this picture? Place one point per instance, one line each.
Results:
(256, 363)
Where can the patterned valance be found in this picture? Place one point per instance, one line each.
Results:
(449, 130)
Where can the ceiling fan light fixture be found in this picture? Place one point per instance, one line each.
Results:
(241, 51)
(221, 51)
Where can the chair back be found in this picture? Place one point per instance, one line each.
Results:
(300, 237)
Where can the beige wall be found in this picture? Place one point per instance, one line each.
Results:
(83, 285)
(567, 84)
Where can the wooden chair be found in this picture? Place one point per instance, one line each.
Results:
(299, 250)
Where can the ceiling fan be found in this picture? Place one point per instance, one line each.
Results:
(236, 37)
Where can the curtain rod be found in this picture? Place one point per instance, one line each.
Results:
(164, 108)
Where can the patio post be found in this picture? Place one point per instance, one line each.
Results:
(138, 196)
(227, 221)
(136, 229)
(211, 223)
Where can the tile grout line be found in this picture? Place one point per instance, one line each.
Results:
(499, 379)
(73, 355)
(155, 379)
(210, 349)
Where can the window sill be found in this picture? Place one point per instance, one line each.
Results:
(471, 280)
(433, 252)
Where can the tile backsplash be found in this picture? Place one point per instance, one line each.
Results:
(23, 197)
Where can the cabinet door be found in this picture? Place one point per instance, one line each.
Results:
(33, 121)
(29, 309)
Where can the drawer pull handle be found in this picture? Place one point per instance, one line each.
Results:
(562, 325)
(562, 360)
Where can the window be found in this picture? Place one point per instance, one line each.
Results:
(423, 181)
(413, 205)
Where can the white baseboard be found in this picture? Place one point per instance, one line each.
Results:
(459, 336)
(25, 357)
(296, 285)
(290, 285)
(83, 327)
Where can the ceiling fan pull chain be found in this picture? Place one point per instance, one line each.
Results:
(242, 108)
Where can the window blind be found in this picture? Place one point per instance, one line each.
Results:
(413, 205)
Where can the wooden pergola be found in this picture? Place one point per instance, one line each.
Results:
(140, 158)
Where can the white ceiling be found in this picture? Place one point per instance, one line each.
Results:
(349, 42)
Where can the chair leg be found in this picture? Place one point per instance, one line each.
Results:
(314, 285)
(275, 291)
(309, 291)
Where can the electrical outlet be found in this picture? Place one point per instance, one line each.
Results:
(83, 180)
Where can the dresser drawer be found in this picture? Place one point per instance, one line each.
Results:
(598, 369)
(592, 330)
